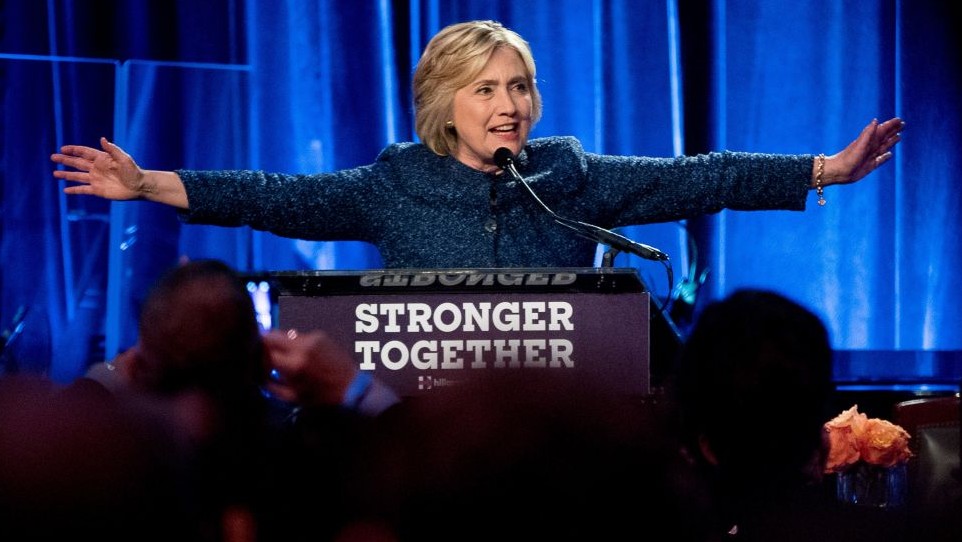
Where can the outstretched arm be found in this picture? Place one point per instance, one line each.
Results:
(113, 174)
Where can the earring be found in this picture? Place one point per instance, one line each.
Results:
(449, 124)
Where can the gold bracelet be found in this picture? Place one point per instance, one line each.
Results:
(819, 189)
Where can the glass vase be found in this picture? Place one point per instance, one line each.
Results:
(863, 484)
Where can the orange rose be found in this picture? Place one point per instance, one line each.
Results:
(884, 443)
(852, 436)
(842, 433)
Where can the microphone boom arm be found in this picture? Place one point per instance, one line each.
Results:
(590, 231)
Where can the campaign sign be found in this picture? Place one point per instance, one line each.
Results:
(420, 331)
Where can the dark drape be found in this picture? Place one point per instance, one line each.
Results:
(306, 86)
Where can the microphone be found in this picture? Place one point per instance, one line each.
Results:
(504, 159)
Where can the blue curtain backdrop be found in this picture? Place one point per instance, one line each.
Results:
(313, 85)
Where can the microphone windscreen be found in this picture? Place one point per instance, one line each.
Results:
(503, 157)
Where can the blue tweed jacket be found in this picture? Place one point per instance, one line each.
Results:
(422, 210)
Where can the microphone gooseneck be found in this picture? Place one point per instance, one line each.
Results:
(504, 159)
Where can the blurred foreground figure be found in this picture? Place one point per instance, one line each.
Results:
(265, 420)
(528, 456)
(73, 466)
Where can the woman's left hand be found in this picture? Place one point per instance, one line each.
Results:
(871, 149)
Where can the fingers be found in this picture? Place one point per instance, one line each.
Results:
(886, 129)
(310, 363)
(109, 147)
(76, 176)
(284, 339)
(78, 157)
(72, 161)
(87, 153)
(288, 349)
(890, 132)
(882, 158)
(894, 124)
(113, 150)
(889, 143)
(280, 362)
(83, 157)
(277, 342)
(880, 138)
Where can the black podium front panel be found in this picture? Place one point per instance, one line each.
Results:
(420, 330)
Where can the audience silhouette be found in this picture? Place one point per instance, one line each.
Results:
(527, 456)
(78, 466)
(753, 390)
(210, 429)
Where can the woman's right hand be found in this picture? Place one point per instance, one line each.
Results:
(113, 174)
(110, 174)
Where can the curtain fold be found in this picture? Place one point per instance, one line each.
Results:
(789, 91)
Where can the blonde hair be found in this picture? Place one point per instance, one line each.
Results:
(451, 60)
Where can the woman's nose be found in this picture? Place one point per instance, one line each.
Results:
(506, 103)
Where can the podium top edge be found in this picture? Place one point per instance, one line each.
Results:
(529, 279)
(448, 271)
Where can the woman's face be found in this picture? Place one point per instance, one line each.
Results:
(493, 111)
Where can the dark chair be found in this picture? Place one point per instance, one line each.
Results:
(935, 481)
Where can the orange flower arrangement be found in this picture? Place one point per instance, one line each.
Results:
(853, 437)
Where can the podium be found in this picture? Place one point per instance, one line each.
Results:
(421, 330)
